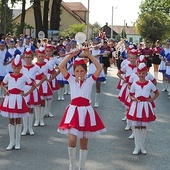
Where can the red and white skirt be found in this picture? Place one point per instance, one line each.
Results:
(45, 90)
(14, 105)
(141, 113)
(123, 94)
(33, 99)
(54, 85)
(81, 120)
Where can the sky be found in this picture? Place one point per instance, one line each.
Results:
(124, 11)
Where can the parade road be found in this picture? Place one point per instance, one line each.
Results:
(112, 150)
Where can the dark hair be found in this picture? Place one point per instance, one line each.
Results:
(83, 65)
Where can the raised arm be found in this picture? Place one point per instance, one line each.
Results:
(93, 59)
(65, 61)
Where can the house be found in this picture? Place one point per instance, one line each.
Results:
(107, 30)
(131, 33)
(71, 13)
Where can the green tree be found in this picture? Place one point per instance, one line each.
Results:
(153, 22)
(73, 30)
(155, 5)
(5, 17)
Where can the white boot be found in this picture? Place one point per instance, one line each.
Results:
(125, 118)
(72, 158)
(137, 141)
(48, 106)
(18, 136)
(128, 127)
(11, 129)
(31, 116)
(65, 88)
(25, 126)
(82, 159)
(59, 94)
(96, 103)
(37, 116)
(168, 89)
(132, 135)
(42, 110)
(164, 86)
(142, 141)
(62, 94)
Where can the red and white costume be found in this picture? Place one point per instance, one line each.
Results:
(80, 118)
(45, 89)
(14, 105)
(53, 61)
(134, 78)
(141, 112)
(33, 99)
(120, 82)
(128, 69)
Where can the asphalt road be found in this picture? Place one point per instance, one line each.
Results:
(112, 150)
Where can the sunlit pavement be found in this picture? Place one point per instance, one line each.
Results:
(47, 150)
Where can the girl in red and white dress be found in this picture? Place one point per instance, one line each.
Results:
(127, 69)
(33, 100)
(141, 112)
(133, 78)
(45, 89)
(54, 62)
(14, 105)
(80, 120)
(123, 63)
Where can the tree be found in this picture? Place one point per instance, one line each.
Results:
(45, 17)
(155, 5)
(55, 15)
(153, 22)
(5, 17)
(37, 16)
(73, 30)
(22, 16)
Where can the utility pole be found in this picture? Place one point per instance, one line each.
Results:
(112, 23)
(5, 16)
(87, 21)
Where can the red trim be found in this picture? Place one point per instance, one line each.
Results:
(29, 67)
(16, 77)
(67, 76)
(30, 84)
(39, 76)
(15, 91)
(3, 84)
(142, 98)
(94, 78)
(156, 91)
(51, 71)
(80, 101)
(131, 94)
(40, 64)
(142, 84)
(132, 66)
